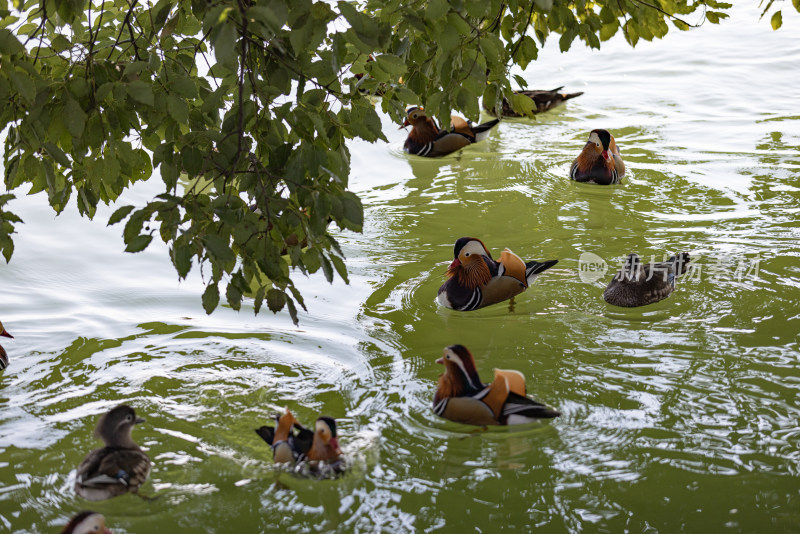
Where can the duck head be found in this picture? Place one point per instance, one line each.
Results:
(423, 130)
(325, 445)
(460, 376)
(114, 428)
(468, 265)
(603, 143)
(87, 522)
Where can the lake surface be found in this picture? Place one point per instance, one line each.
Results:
(680, 416)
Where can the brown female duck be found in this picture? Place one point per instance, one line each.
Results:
(638, 284)
(120, 466)
(542, 100)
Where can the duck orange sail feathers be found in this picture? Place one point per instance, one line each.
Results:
(475, 280)
(428, 140)
(120, 466)
(463, 398)
(599, 162)
(3, 355)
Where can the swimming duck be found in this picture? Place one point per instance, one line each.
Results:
(427, 139)
(599, 162)
(119, 467)
(463, 398)
(3, 355)
(475, 280)
(86, 522)
(319, 445)
(638, 284)
(544, 101)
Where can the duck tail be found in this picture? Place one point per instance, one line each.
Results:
(567, 96)
(535, 268)
(267, 433)
(481, 131)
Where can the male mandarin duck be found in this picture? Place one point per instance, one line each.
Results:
(475, 280)
(463, 398)
(86, 522)
(638, 284)
(120, 466)
(544, 101)
(427, 139)
(3, 355)
(599, 162)
(320, 445)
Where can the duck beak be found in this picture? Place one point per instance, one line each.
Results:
(456, 263)
(107, 531)
(335, 444)
(605, 155)
(405, 123)
(440, 360)
(139, 420)
(6, 334)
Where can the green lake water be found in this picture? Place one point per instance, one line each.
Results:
(683, 416)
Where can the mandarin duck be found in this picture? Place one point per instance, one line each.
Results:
(599, 162)
(463, 398)
(543, 100)
(86, 522)
(427, 139)
(319, 447)
(638, 284)
(120, 466)
(475, 280)
(3, 355)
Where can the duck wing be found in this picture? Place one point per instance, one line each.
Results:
(520, 409)
(111, 466)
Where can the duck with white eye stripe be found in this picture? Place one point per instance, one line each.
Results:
(428, 140)
(475, 280)
(599, 162)
(463, 398)
(86, 522)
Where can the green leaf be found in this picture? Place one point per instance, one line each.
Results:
(139, 243)
(219, 248)
(436, 9)
(276, 300)
(523, 104)
(9, 44)
(777, 20)
(140, 91)
(234, 296)
(119, 215)
(225, 46)
(210, 298)
(57, 154)
(182, 258)
(75, 117)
